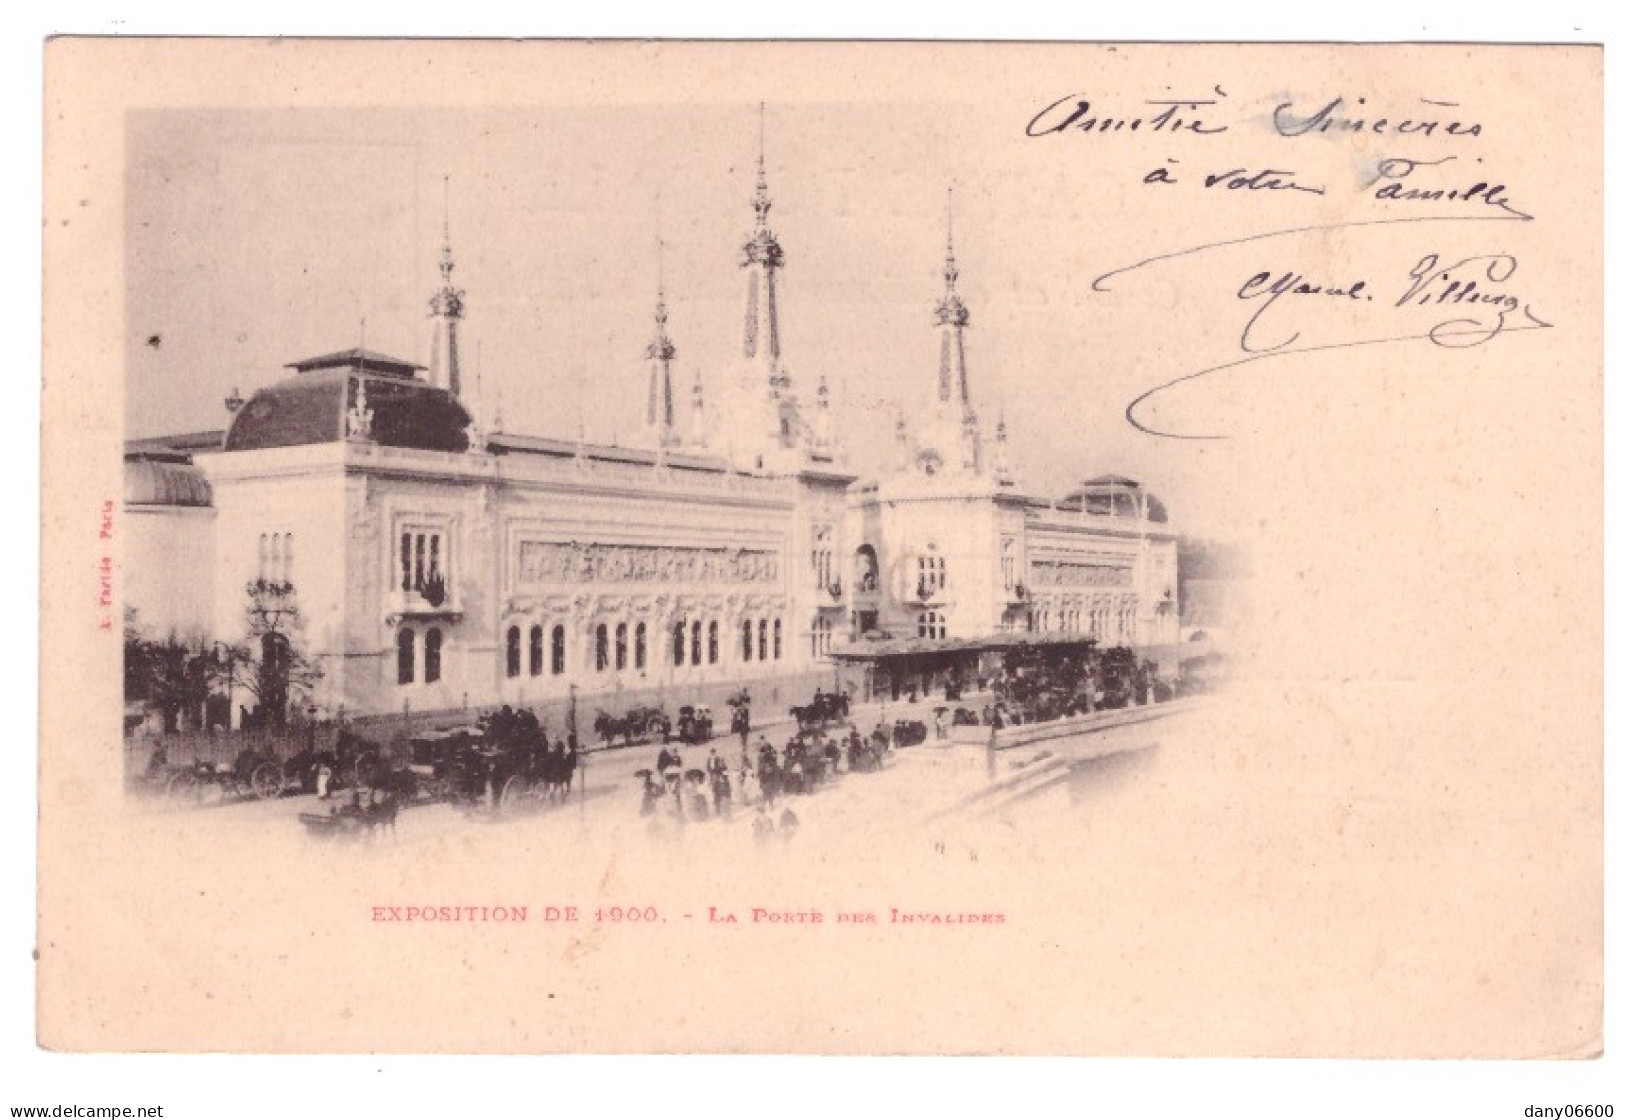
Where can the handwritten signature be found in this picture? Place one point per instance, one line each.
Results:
(1472, 293)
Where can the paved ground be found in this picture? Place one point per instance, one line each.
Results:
(926, 795)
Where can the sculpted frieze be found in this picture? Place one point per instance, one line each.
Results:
(550, 562)
(1067, 573)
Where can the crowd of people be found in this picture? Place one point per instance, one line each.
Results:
(1033, 685)
(763, 776)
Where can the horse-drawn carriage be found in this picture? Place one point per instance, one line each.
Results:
(823, 709)
(252, 774)
(638, 724)
(908, 733)
(356, 819)
(450, 765)
(467, 766)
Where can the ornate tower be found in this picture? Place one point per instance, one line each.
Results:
(767, 407)
(953, 441)
(660, 420)
(446, 308)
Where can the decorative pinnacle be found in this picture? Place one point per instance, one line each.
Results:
(762, 204)
(448, 301)
(446, 263)
(951, 310)
(661, 349)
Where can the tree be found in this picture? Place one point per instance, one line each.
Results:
(270, 663)
(171, 675)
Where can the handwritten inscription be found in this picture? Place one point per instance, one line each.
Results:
(1335, 116)
(1448, 296)
(1074, 113)
(1393, 173)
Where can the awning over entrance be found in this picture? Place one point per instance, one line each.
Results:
(888, 649)
(885, 649)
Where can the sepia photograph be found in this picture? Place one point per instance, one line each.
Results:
(531, 564)
(822, 548)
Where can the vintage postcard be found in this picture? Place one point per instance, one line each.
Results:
(835, 548)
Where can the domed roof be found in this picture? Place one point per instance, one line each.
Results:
(158, 481)
(1119, 495)
(312, 406)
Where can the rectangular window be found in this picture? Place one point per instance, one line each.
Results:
(431, 656)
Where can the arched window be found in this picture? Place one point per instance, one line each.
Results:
(695, 644)
(620, 646)
(405, 656)
(287, 558)
(868, 568)
(640, 646)
(406, 561)
(265, 556)
(276, 558)
(761, 640)
(558, 650)
(535, 651)
(513, 652)
(679, 641)
(601, 646)
(712, 638)
(778, 638)
(746, 645)
(431, 655)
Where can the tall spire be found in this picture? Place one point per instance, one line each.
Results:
(763, 203)
(661, 418)
(763, 402)
(446, 308)
(955, 437)
(763, 258)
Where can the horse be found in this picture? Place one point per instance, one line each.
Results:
(608, 727)
(379, 814)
